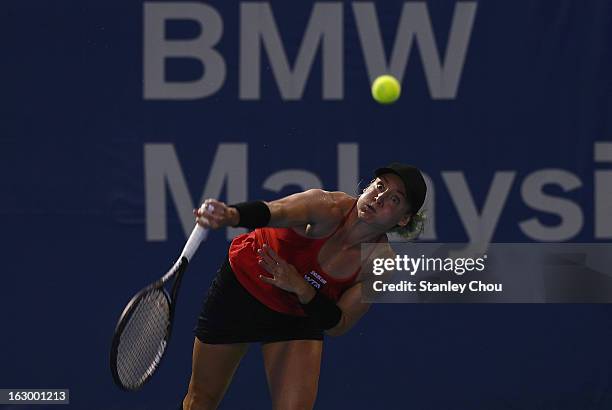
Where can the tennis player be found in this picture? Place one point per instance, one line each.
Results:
(292, 279)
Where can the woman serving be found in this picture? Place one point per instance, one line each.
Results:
(293, 278)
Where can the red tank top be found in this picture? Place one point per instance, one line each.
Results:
(297, 250)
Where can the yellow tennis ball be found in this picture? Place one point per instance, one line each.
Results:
(386, 89)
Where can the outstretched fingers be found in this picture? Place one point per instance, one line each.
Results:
(267, 279)
(272, 263)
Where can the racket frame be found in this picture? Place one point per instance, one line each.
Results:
(176, 271)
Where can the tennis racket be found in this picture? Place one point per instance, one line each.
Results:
(144, 328)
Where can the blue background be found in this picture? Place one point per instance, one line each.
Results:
(534, 93)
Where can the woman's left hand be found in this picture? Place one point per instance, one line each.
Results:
(284, 275)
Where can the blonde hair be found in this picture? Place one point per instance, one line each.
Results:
(414, 228)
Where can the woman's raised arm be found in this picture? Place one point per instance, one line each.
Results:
(309, 207)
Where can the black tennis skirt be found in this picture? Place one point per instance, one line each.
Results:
(230, 314)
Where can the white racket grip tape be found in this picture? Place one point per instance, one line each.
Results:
(196, 237)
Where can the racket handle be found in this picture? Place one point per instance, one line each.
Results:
(196, 237)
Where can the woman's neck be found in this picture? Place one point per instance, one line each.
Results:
(356, 231)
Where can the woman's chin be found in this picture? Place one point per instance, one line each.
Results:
(366, 215)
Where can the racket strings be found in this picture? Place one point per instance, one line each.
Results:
(144, 329)
(143, 340)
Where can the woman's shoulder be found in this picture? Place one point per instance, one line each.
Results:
(380, 250)
(340, 202)
(328, 207)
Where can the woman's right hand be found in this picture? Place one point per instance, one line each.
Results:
(215, 214)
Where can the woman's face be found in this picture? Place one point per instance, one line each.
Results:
(384, 203)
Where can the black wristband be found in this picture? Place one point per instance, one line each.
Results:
(324, 311)
(254, 214)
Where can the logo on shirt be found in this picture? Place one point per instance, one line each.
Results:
(314, 279)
